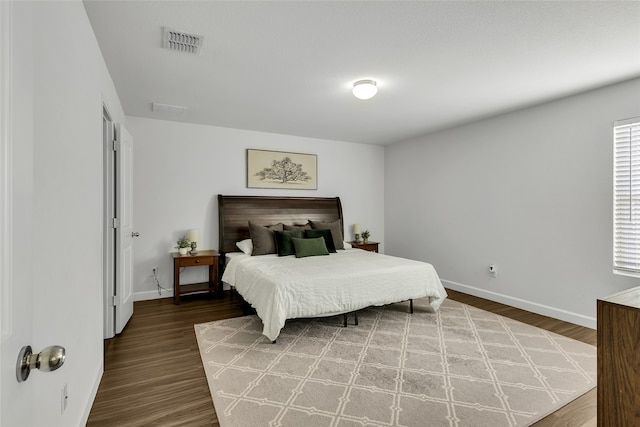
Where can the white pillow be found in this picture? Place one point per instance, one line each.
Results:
(245, 246)
(347, 245)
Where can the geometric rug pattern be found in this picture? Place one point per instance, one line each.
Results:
(459, 366)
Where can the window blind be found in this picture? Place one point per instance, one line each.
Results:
(626, 183)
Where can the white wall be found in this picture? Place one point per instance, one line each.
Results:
(181, 168)
(70, 82)
(530, 191)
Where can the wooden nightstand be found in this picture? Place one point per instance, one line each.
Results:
(202, 258)
(369, 246)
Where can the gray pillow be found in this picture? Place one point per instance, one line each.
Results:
(335, 228)
(309, 247)
(297, 227)
(263, 239)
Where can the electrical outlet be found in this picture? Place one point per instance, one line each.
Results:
(493, 270)
(64, 396)
(154, 270)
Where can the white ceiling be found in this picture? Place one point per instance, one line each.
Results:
(287, 67)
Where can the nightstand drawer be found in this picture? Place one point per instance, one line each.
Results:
(194, 261)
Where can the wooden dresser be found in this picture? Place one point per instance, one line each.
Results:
(619, 359)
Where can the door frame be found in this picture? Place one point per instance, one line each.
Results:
(109, 258)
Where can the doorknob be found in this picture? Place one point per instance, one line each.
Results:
(49, 359)
(135, 234)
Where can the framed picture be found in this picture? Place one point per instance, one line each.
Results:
(278, 169)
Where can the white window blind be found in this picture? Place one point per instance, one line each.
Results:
(626, 196)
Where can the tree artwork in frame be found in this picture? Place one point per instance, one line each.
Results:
(278, 169)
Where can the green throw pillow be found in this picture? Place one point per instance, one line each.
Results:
(309, 247)
(284, 244)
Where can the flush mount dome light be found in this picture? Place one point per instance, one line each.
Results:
(365, 89)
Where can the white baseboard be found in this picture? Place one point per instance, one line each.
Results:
(545, 310)
(149, 295)
(92, 396)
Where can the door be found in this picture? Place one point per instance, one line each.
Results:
(16, 191)
(123, 299)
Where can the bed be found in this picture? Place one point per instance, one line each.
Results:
(281, 288)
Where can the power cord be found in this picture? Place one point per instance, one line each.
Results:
(160, 288)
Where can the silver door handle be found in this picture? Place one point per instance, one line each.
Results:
(49, 359)
(135, 234)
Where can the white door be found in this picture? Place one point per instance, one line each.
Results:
(16, 190)
(124, 238)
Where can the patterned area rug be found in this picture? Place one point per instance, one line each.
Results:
(460, 366)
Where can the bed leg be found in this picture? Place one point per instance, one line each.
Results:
(344, 318)
(355, 318)
(273, 342)
(245, 308)
(411, 306)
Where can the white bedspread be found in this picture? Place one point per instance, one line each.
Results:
(282, 288)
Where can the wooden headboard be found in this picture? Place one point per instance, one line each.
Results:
(235, 212)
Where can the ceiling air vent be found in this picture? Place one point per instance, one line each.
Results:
(182, 42)
(168, 108)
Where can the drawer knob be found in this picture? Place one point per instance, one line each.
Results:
(197, 261)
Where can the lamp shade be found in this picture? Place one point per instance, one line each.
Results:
(192, 236)
(356, 228)
(365, 89)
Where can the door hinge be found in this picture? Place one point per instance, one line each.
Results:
(115, 300)
(116, 145)
(116, 223)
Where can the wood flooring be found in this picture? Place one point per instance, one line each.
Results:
(154, 375)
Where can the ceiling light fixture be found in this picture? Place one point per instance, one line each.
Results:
(365, 89)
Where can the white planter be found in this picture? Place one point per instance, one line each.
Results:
(183, 251)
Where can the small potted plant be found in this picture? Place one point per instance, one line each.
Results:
(183, 245)
(365, 236)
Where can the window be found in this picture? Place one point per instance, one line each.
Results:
(626, 196)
